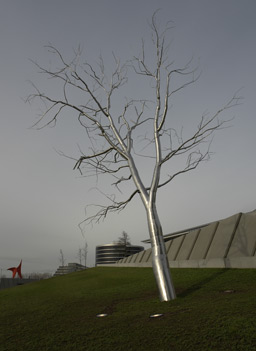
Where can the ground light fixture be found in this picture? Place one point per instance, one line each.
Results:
(100, 315)
(156, 315)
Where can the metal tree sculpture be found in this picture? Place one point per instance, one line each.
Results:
(115, 134)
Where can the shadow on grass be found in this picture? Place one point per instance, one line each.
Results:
(203, 282)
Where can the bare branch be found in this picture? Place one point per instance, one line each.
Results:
(205, 129)
(105, 210)
(122, 179)
(83, 158)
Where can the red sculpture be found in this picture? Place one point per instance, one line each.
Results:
(16, 270)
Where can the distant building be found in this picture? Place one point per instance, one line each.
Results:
(111, 253)
(70, 268)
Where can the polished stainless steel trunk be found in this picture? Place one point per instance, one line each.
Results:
(159, 258)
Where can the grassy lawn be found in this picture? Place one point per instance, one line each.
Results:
(60, 313)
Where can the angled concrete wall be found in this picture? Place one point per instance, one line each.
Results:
(175, 248)
(223, 237)
(188, 245)
(134, 257)
(168, 246)
(244, 243)
(147, 255)
(203, 242)
(230, 242)
(140, 256)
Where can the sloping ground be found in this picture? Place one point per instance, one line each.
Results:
(215, 310)
(229, 243)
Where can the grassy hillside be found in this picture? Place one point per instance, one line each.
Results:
(60, 313)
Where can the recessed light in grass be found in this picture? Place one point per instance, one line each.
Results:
(100, 315)
(156, 315)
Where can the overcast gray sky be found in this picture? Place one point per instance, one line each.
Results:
(42, 199)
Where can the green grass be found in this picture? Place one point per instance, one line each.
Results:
(60, 313)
